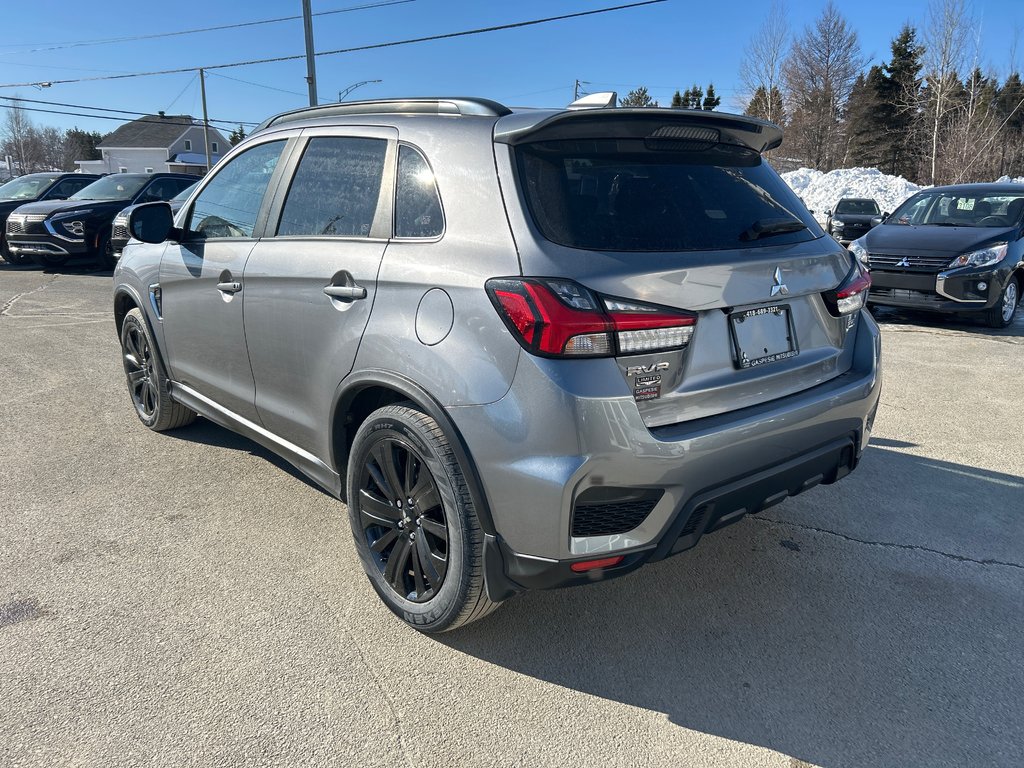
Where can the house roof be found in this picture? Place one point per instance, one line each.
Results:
(151, 131)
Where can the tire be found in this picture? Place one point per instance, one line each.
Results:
(1005, 310)
(425, 558)
(147, 382)
(10, 257)
(105, 253)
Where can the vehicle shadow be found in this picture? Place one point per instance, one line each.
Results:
(206, 432)
(965, 323)
(833, 649)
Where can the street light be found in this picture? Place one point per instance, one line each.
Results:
(343, 93)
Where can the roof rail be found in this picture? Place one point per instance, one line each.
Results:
(444, 105)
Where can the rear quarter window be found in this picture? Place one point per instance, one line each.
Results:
(618, 195)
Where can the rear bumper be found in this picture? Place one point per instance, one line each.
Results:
(564, 444)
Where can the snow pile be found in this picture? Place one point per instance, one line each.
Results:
(1008, 180)
(821, 191)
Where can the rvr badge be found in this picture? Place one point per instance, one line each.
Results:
(640, 370)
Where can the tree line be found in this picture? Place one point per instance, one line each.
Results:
(929, 113)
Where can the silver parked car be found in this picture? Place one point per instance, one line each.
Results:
(529, 348)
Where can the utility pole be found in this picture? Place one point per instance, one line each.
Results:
(307, 23)
(206, 119)
(576, 91)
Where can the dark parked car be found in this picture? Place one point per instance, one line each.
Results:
(851, 218)
(531, 348)
(955, 249)
(119, 235)
(30, 188)
(52, 232)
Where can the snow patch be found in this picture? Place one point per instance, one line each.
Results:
(821, 191)
(1008, 180)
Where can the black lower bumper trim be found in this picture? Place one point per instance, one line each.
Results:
(509, 572)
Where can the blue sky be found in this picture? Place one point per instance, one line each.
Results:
(665, 47)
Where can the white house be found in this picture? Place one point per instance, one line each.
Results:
(157, 143)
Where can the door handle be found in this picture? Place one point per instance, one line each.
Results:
(345, 291)
(230, 287)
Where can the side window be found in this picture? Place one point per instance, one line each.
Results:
(417, 204)
(335, 189)
(230, 202)
(179, 185)
(67, 188)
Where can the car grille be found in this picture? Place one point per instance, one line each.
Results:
(905, 295)
(608, 519)
(22, 224)
(909, 263)
(120, 230)
(853, 231)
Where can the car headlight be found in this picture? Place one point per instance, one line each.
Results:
(838, 224)
(858, 249)
(985, 257)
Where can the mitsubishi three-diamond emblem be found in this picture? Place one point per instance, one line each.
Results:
(780, 287)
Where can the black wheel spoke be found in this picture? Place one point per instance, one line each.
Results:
(384, 541)
(410, 467)
(417, 569)
(427, 498)
(384, 454)
(435, 528)
(377, 512)
(135, 377)
(428, 563)
(398, 565)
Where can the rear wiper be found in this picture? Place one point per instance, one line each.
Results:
(768, 227)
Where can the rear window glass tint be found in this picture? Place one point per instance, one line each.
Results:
(417, 204)
(336, 188)
(618, 195)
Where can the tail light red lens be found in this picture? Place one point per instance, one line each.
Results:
(851, 294)
(561, 318)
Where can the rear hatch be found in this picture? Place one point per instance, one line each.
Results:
(677, 211)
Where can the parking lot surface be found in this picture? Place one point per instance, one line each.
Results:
(187, 599)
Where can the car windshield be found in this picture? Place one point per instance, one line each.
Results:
(857, 207)
(960, 209)
(623, 195)
(118, 186)
(181, 196)
(26, 187)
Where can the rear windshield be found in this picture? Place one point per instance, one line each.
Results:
(857, 207)
(619, 195)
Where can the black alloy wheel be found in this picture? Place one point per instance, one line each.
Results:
(147, 383)
(403, 520)
(414, 521)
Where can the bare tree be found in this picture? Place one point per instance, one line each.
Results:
(761, 67)
(819, 74)
(18, 138)
(947, 32)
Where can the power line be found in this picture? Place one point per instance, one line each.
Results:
(161, 121)
(106, 41)
(375, 46)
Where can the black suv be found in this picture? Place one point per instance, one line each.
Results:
(852, 218)
(51, 233)
(30, 188)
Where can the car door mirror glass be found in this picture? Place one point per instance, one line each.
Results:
(151, 222)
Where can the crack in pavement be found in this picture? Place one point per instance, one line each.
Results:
(400, 726)
(889, 544)
(4, 312)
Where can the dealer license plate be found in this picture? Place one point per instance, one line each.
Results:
(763, 335)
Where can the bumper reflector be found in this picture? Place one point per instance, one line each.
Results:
(589, 565)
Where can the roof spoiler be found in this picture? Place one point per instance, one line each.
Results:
(661, 124)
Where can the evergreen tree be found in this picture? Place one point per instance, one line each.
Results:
(867, 114)
(901, 93)
(767, 106)
(236, 135)
(711, 100)
(638, 97)
(677, 100)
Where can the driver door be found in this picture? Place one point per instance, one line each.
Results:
(201, 279)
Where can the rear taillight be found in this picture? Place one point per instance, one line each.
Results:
(851, 294)
(559, 318)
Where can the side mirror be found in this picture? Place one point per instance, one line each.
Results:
(828, 212)
(876, 220)
(152, 222)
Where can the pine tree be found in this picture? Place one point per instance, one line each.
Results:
(236, 135)
(867, 114)
(902, 94)
(638, 97)
(677, 100)
(711, 100)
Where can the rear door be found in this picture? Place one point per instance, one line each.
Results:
(310, 283)
(201, 279)
(706, 228)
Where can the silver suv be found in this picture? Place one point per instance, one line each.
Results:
(530, 348)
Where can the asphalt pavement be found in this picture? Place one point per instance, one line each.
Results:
(187, 599)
